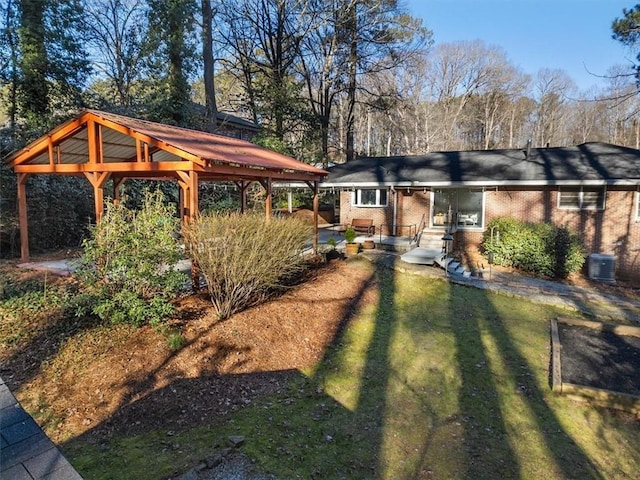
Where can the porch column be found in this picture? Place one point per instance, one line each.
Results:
(183, 196)
(22, 216)
(316, 208)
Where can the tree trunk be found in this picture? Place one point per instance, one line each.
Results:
(209, 66)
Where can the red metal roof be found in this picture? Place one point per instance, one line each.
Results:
(119, 134)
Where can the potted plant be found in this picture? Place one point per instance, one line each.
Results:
(350, 237)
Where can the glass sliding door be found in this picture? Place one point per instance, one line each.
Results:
(460, 207)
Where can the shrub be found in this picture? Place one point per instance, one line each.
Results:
(244, 258)
(539, 248)
(126, 262)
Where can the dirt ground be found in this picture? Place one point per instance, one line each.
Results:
(103, 379)
(600, 359)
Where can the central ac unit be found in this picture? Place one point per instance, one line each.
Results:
(602, 267)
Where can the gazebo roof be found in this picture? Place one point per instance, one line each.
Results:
(96, 141)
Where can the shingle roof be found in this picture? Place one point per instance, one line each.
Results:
(588, 163)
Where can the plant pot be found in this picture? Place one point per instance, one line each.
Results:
(368, 245)
(352, 249)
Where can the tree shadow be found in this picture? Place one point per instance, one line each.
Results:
(497, 370)
(362, 413)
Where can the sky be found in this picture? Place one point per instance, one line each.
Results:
(573, 35)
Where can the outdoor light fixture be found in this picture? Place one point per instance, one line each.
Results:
(446, 238)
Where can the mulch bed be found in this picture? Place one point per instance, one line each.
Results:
(600, 359)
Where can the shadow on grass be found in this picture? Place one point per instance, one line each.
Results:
(508, 426)
(431, 385)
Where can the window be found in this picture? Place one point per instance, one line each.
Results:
(584, 198)
(371, 197)
(465, 205)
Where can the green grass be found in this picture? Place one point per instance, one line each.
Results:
(432, 381)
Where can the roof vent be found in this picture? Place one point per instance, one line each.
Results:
(602, 267)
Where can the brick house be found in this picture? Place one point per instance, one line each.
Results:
(592, 188)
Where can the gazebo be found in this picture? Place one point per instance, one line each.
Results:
(102, 146)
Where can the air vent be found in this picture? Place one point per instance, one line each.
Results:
(602, 267)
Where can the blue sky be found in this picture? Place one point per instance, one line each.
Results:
(574, 35)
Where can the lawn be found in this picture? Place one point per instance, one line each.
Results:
(422, 379)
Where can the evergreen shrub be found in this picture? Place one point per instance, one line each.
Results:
(543, 249)
(126, 264)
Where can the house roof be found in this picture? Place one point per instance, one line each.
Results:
(134, 147)
(585, 164)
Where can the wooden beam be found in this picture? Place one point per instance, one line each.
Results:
(217, 172)
(193, 212)
(92, 142)
(149, 140)
(51, 152)
(193, 195)
(22, 216)
(243, 186)
(41, 144)
(115, 167)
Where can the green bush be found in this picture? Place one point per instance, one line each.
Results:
(539, 248)
(126, 263)
(244, 258)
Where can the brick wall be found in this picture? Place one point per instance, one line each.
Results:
(410, 209)
(610, 231)
(613, 230)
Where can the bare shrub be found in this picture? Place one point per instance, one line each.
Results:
(244, 258)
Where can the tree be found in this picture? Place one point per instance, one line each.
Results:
(116, 31)
(627, 31)
(171, 50)
(552, 88)
(375, 35)
(263, 37)
(9, 55)
(209, 65)
(52, 63)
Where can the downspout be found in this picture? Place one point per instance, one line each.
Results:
(395, 211)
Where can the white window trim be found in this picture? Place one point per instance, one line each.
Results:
(636, 203)
(354, 198)
(580, 207)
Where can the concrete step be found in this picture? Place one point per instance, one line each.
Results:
(431, 241)
(421, 256)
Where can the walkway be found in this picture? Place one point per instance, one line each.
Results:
(26, 453)
(601, 305)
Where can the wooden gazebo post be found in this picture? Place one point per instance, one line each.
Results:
(22, 216)
(268, 201)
